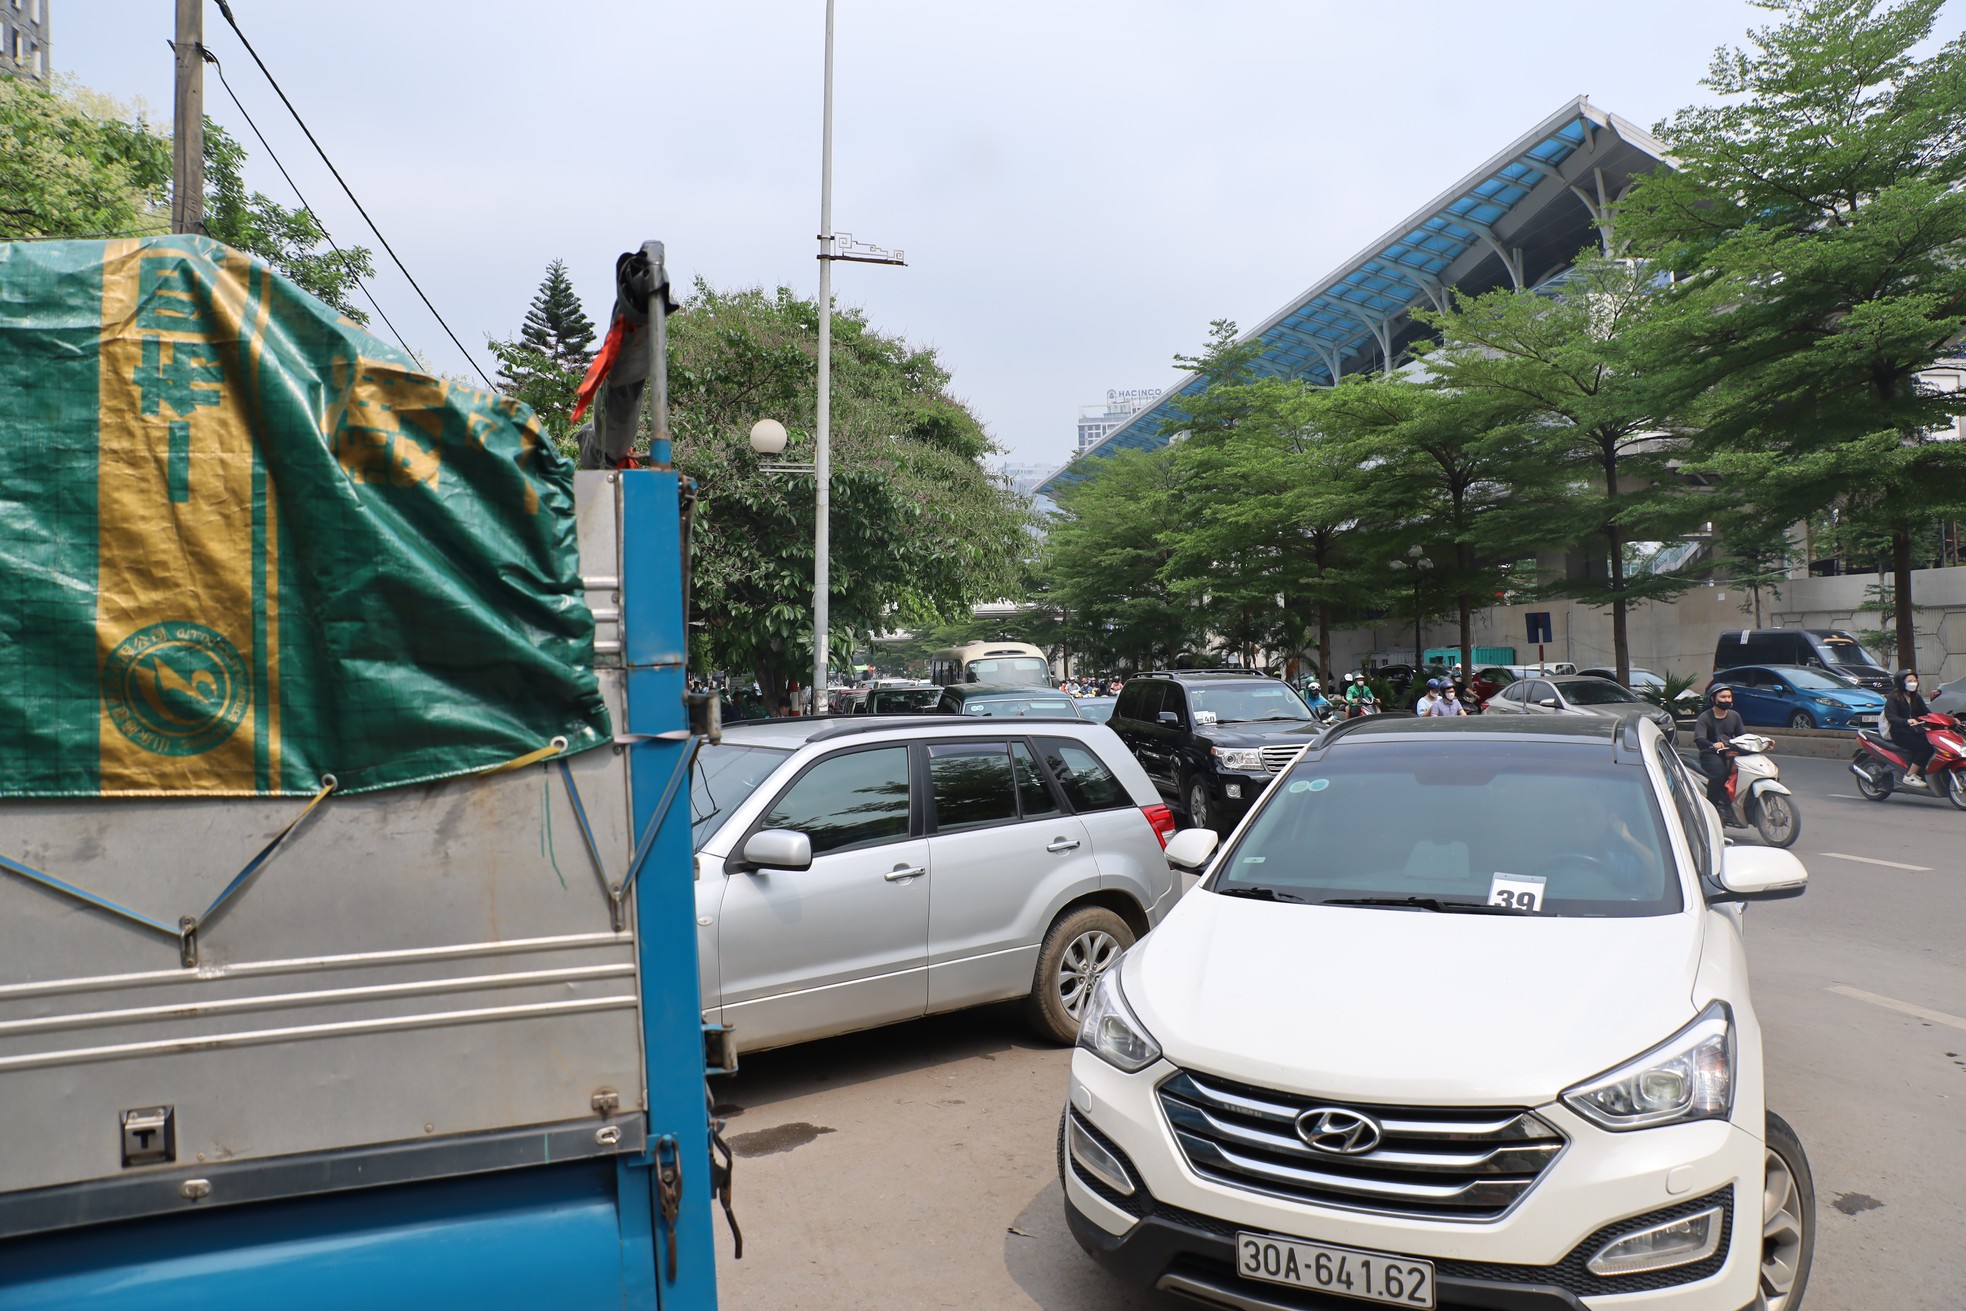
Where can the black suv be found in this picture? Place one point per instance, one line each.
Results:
(1211, 739)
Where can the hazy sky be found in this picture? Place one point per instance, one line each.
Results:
(1080, 186)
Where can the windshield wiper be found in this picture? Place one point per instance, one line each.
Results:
(1258, 893)
(1434, 904)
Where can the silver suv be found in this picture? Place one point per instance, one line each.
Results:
(855, 872)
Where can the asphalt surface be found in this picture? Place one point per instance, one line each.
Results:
(913, 1167)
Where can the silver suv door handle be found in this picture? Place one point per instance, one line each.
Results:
(1063, 844)
(900, 872)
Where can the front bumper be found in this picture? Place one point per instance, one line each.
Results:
(1177, 1230)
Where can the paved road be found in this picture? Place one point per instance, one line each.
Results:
(913, 1167)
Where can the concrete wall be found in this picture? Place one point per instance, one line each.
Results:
(1677, 637)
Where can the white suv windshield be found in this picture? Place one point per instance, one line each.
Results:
(1385, 822)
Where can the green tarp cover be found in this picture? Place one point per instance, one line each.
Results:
(244, 544)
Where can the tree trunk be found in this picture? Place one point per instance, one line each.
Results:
(1901, 598)
(1621, 654)
(1467, 633)
(1324, 648)
(1466, 554)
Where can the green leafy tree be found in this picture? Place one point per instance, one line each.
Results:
(1561, 361)
(77, 164)
(290, 240)
(1816, 227)
(921, 532)
(1457, 474)
(1273, 523)
(1109, 552)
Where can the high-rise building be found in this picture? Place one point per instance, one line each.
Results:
(1096, 420)
(24, 40)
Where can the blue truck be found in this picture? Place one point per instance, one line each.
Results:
(436, 1043)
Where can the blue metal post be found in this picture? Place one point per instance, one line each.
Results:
(654, 649)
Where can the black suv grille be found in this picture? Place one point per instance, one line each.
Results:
(1457, 1163)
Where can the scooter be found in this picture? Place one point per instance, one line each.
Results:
(1756, 793)
(1880, 763)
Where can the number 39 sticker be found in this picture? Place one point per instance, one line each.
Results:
(1522, 891)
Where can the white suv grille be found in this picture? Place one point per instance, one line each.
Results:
(1461, 1163)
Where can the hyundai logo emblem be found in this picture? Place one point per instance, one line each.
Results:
(1338, 1131)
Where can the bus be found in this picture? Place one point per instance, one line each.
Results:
(990, 662)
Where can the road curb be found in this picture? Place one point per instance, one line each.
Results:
(1815, 743)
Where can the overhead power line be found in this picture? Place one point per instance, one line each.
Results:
(226, 9)
(367, 295)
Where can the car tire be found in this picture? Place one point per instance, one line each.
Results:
(1788, 1219)
(1801, 719)
(1195, 803)
(1077, 949)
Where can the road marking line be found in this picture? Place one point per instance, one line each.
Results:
(1872, 860)
(1843, 796)
(1893, 1004)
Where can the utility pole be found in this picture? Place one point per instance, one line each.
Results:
(188, 121)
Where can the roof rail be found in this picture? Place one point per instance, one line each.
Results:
(853, 725)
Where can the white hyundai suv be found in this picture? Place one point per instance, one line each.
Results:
(1458, 1017)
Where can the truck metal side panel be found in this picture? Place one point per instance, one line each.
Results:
(434, 964)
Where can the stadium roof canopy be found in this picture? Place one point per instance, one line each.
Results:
(1518, 220)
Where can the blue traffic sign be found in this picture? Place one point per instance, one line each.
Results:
(1539, 626)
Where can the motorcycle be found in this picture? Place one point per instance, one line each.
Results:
(1880, 763)
(1756, 795)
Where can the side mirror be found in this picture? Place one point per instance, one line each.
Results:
(1191, 848)
(1760, 874)
(1169, 718)
(778, 848)
(1548, 701)
(1778, 687)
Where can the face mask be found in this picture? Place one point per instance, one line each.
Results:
(1911, 685)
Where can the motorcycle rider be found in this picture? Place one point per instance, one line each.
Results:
(1901, 707)
(1715, 727)
(1446, 703)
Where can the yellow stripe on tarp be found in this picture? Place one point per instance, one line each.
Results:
(175, 562)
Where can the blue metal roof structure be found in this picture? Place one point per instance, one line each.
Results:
(1518, 220)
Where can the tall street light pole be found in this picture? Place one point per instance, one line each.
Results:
(822, 462)
(832, 246)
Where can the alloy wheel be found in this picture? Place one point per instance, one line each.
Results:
(1198, 805)
(1800, 719)
(1782, 1224)
(1086, 958)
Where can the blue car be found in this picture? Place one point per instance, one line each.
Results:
(1787, 696)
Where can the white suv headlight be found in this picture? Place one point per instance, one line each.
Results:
(1109, 1029)
(1689, 1076)
(1244, 760)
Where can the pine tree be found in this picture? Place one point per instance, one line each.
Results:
(543, 367)
(556, 326)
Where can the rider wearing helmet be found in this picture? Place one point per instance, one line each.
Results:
(1446, 703)
(1716, 726)
(1901, 707)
